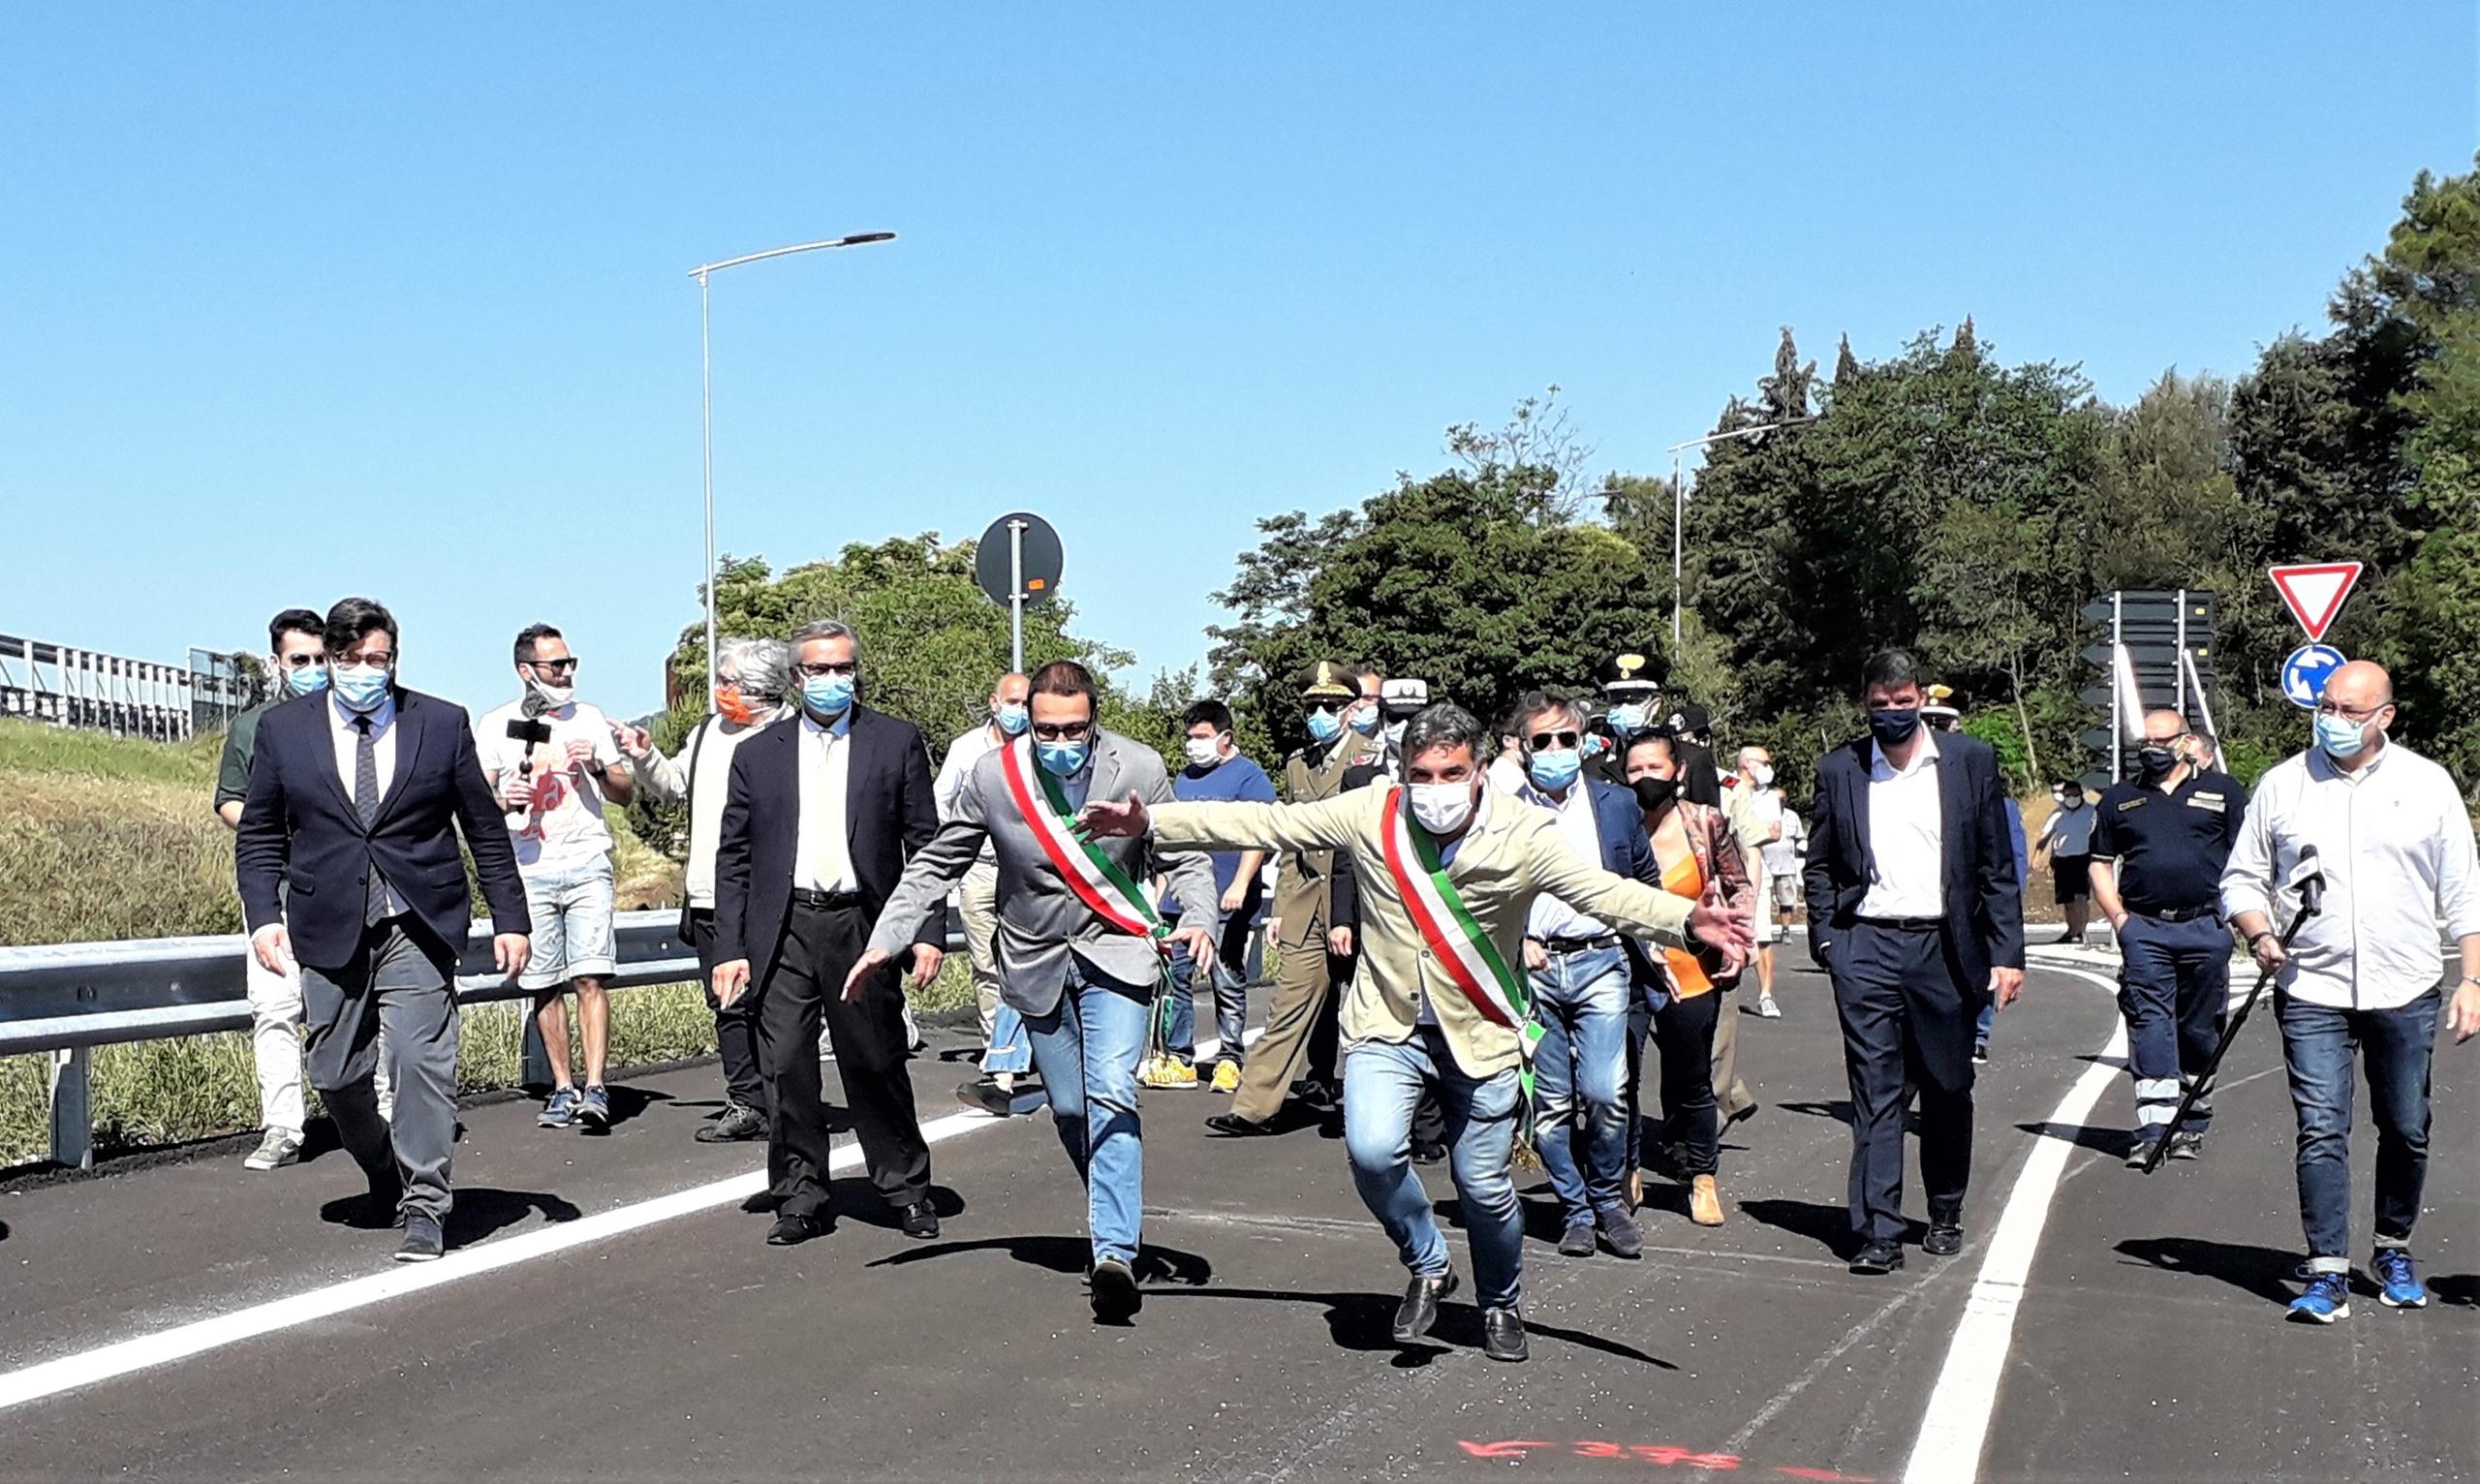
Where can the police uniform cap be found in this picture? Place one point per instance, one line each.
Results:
(1633, 670)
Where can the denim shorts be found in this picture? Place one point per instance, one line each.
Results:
(572, 912)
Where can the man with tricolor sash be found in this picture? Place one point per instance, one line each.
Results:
(1447, 875)
(1081, 951)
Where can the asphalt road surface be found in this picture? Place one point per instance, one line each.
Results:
(612, 1312)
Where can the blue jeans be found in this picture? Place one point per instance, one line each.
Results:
(1581, 1003)
(2173, 978)
(1231, 990)
(1087, 1050)
(2317, 1041)
(1010, 1049)
(1383, 1084)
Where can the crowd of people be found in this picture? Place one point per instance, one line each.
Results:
(1483, 934)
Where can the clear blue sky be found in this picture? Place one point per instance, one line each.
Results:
(307, 300)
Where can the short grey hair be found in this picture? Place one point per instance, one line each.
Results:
(763, 666)
(1445, 725)
(1546, 702)
(827, 628)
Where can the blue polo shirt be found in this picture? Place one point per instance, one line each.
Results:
(1235, 780)
(2170, 845)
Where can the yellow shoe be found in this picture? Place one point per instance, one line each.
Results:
(1704, 1202)
(1166, 1071)
(1227, 1075)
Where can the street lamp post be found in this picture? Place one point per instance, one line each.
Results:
(1679, 510)
(706, 378)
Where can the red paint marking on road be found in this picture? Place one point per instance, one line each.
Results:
(1663, 1456)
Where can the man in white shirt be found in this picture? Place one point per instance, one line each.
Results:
(554, 791)
(1007, 1052)
(2395, 847)
(753, 680)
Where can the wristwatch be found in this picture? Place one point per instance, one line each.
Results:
(2259, 935)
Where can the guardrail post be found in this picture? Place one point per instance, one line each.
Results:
(73, 1109)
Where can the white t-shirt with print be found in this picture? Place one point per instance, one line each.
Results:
(562, 826)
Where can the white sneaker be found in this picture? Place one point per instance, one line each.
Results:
(277, 1150)
(913, 1038)
(1766, 1008)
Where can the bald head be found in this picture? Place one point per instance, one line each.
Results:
(2165, 726)
(2361, 686)
(1011, 690)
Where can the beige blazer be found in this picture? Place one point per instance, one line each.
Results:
(1510, 856)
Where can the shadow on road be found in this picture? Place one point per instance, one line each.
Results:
(1068, 1255)
(2455, 1290)
(856, 1197)
(1828, 1226)
(1840, 1110)
(2260, 1271)
(1365, 1321)
(626, 1102)
(2104, 1141)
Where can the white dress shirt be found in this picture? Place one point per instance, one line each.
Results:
(383, 751)
(823, 859)
(2397, 851)
(955, 771)
(1551, 918)
(1907, 835)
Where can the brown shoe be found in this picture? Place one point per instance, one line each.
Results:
(1704, 1202)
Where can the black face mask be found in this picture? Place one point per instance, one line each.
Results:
(1656, 792)
(1895, 724)
(2156, 762)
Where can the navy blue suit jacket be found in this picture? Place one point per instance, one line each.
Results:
(301, 831)
(1984, 902)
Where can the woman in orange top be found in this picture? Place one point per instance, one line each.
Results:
(1699, 858)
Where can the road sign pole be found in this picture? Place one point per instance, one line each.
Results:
(1016, 595)
(2182, 653)
(2117, 718)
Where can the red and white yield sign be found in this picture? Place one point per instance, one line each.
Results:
(2314, 591)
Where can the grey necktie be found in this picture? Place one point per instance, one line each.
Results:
(365, 803)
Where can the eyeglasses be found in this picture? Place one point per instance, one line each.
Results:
(1546, 741)
(1063, 731)
(303, 662)
(822, 671)
(2353, 714)
(1330, 707)
(568, 666)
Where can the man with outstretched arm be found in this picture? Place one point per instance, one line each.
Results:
(1081, 949)
(2395, 847)
(1448, 877)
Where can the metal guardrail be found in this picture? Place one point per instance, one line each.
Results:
(63, 999)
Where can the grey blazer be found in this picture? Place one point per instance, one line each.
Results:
(1042, 921)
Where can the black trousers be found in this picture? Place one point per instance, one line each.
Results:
(1908, 1020)
(1684, 1047)
(804, 989)
(736, 1024)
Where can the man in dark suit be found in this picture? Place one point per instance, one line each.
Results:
(353, 797)
(822, 811)
(1915, 911)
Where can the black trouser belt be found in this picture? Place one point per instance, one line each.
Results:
(1580, 945)
(804, 897)
(2179, 913)
(1908, 924)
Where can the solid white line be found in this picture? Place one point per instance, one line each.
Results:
(1948, 1449)
(87, 1367)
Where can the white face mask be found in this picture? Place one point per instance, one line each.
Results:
(1763, 774)
(1203, 751)
(1442, 808)
(557, 694)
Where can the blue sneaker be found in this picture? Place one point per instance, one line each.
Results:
(594, 1108)
(560, 1112)
(2399, 1284)
(2328, 1298)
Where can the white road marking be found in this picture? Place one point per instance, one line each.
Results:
(103, 1364)
(1948, 1446)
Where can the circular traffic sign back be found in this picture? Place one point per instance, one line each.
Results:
(1039, 571)
(2306, 671)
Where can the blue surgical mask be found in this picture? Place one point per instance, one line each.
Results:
(1325, 725)
(827, 695)
(1895, 724)
(1628, 719)
(1061, 759)
(1011, 719)
(1366, 721)
(359, 687)
(309, 680)
(2339, 736)
(1556, 768)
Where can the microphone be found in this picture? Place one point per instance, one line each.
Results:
(2308, 877)
(528, 731)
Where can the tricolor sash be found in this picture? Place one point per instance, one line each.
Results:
(1452, 932)
(1095, 879)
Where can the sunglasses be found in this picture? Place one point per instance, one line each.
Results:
(824, 672)
(568, 666)
(1062, 732)
(1547, 741)
(1329, 707)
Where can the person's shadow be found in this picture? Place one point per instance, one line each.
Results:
(478, 1212)
(1366, 1322)
(2106, 1141)
(854, 1195)
(626, 1102)
(1828, 1226)
(2258, 1271)
(1068, 1256)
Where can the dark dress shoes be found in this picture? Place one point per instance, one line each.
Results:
(1945, 1234)
(1877, 1258)
(920, 1221)
(1233, 1125)
(1503, 1335)
(987, 1096)
(425, 1241)
(1418, 1311)
(1116, 1299)
(794, 1230)
(738, 1124)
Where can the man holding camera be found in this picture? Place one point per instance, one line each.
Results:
(552, 761)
